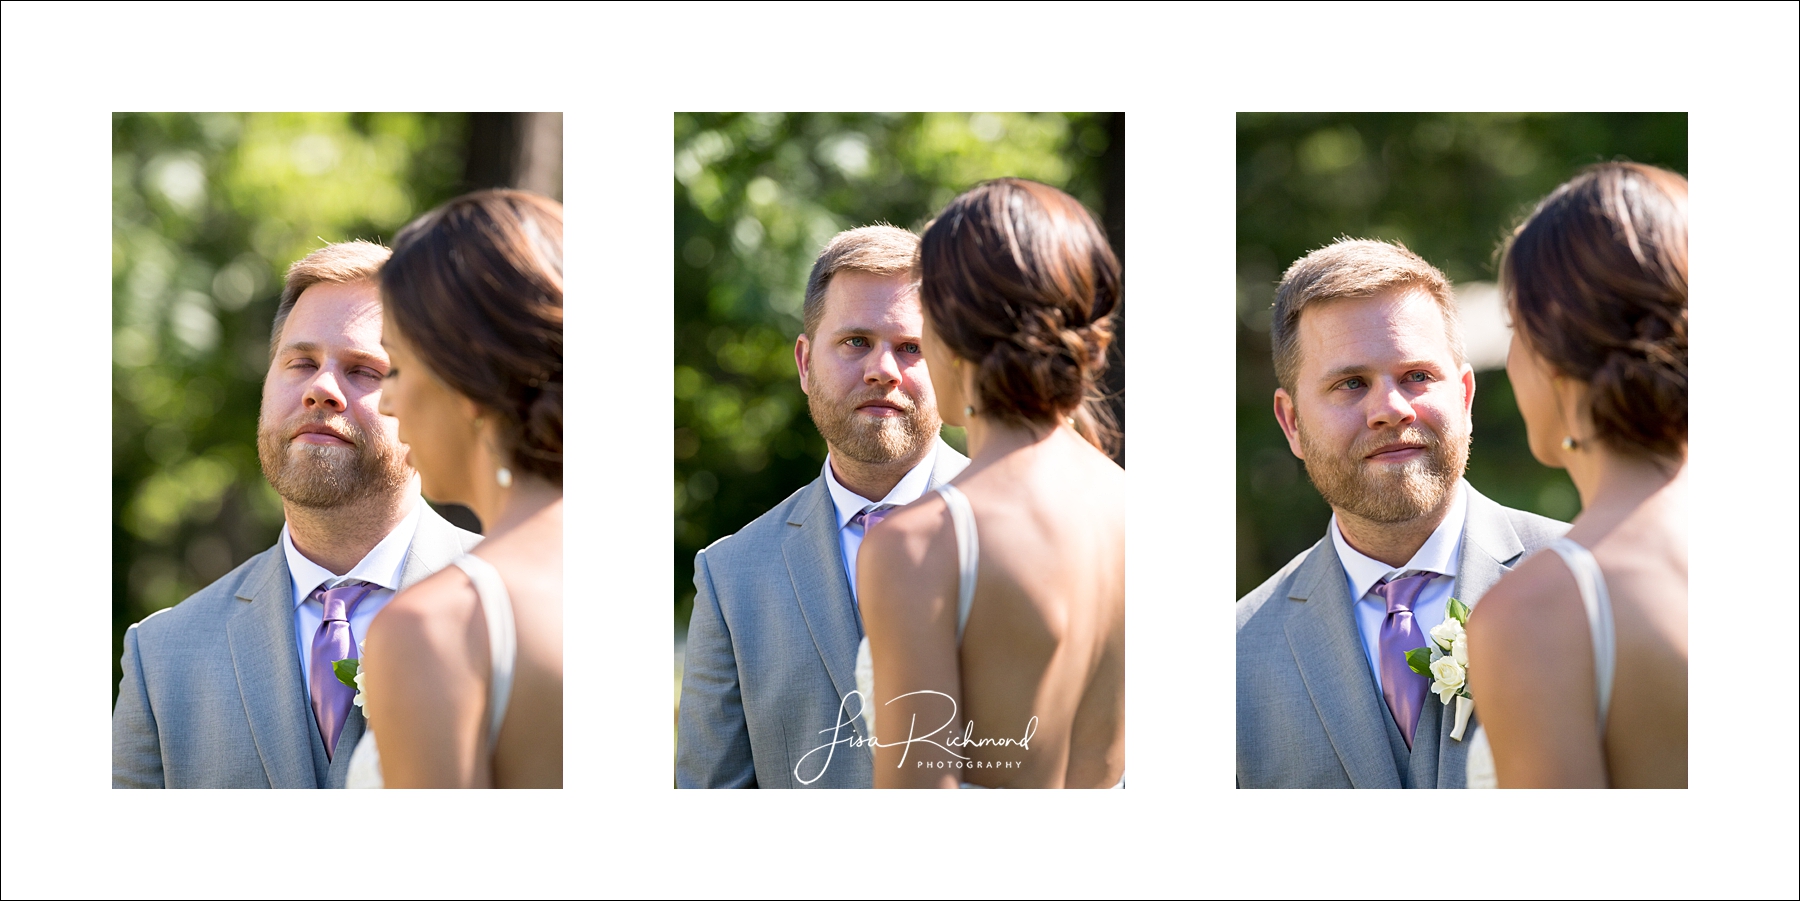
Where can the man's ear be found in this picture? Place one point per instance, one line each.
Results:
(1289, 417)
(801, 359)
(1468, 384)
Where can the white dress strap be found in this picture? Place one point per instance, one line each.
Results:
(968, 553)
(503, 639)
(1599, 613)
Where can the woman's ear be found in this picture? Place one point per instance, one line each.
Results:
(965, 378)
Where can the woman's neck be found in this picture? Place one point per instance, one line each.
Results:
(1612, 485)
(503, 509)
(991, 439)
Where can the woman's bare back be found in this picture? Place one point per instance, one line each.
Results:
(528, 753)
(1644, 561)
(1046, 631)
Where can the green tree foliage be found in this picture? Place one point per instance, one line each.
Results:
(1448, 185)
(208, 211)
(757, 196)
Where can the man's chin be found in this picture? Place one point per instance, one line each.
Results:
(876, 452)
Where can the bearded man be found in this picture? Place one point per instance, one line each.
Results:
(235, 687)
(1375, 397)
(771, 649)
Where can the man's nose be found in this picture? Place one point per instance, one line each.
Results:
(882, 368)
(1390, 408)
(324, 391)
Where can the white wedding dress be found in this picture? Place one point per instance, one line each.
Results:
(503, 652)
(968, 561)
(1598, 603)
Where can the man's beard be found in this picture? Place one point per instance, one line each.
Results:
(1387, 493)
(875, 440)
(329, 476)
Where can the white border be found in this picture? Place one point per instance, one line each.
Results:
(617, 73)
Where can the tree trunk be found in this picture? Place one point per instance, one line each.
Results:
(515, 150)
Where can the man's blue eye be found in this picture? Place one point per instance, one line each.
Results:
(912, 348)
(1353, 383)
(1421, 376)
(859, 342)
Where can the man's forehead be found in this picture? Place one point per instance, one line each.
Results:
(866, 300)
(1344, 331)
(347, 312)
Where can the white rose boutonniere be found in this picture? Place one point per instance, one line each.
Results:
(1445, 661)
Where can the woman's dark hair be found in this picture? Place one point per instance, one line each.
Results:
(1597, 281)
(1017, 279)
(475, 287)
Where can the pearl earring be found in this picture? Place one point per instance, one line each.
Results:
(502, 476)
(1569, 443)
(969, 410)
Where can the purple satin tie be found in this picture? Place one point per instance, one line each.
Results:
(331, 698)
(868, 516)
(1403, 689)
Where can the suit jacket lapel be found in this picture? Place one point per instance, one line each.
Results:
(264, 655)
(435, 545)
(1490, 549)
(339, 767)
(948, 465)
(816, 567)
(1329, 653)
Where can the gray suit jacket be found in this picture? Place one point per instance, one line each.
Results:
(213, 695)
(1308, 712)
(771, 653)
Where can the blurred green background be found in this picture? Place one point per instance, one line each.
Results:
(757, 196)
(1448, 185)
(208, 212)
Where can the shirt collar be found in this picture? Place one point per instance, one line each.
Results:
(1438, 554)
(910, 488)
(381, 566)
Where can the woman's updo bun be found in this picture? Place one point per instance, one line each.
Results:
(475, 286)
(1017, 279)
(1596, 280)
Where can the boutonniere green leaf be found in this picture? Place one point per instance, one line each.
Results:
(350, 671)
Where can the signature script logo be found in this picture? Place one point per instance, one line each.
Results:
(843, 732)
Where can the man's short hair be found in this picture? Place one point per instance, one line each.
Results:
(334, 264)
(1352, 268)
(876, 249)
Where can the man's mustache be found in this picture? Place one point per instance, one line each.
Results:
(1431, 442)
(898, 399)
(335, 424)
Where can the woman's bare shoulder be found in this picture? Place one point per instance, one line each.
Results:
(902, 541)
(441, 601)
(1517, 606)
